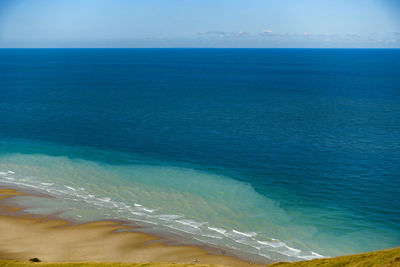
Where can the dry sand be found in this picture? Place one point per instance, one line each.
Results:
(24, 236)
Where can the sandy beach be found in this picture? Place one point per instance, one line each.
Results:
(24, 236)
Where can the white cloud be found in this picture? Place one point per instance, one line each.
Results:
(241, 33)
(267, 32)
(225, 34)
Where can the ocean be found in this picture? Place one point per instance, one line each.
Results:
(288, 154)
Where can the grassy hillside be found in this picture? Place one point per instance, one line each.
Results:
(384, 258)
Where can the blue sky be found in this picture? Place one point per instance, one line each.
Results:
(200, 23)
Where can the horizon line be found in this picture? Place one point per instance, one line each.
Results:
(283, 48)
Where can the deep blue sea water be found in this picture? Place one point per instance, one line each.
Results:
(289, 154)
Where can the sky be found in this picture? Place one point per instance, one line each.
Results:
(200, 23)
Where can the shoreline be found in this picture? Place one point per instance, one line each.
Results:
(50, 238)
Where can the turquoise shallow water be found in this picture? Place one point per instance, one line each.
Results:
(286, 154)
(208, 207)
(197, 204)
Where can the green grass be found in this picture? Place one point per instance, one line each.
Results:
(383, 258)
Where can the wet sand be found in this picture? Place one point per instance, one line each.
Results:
(24, 236)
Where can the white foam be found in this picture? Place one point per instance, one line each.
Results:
(3, 173)
(9, 178)
(251, 234)
(191, 223)
(271, 244)
(292, 249)
(145, 221)
(212, 236)
(69, 187)
(11, 172)
(48, 184)
(104, 199)
(137, 205)
(123, 205)
(221, 231)
(186, 230)
(244, 241)
(291, 252)
(148, 210)
(311, 257)
(317, 255)
(168, 217)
